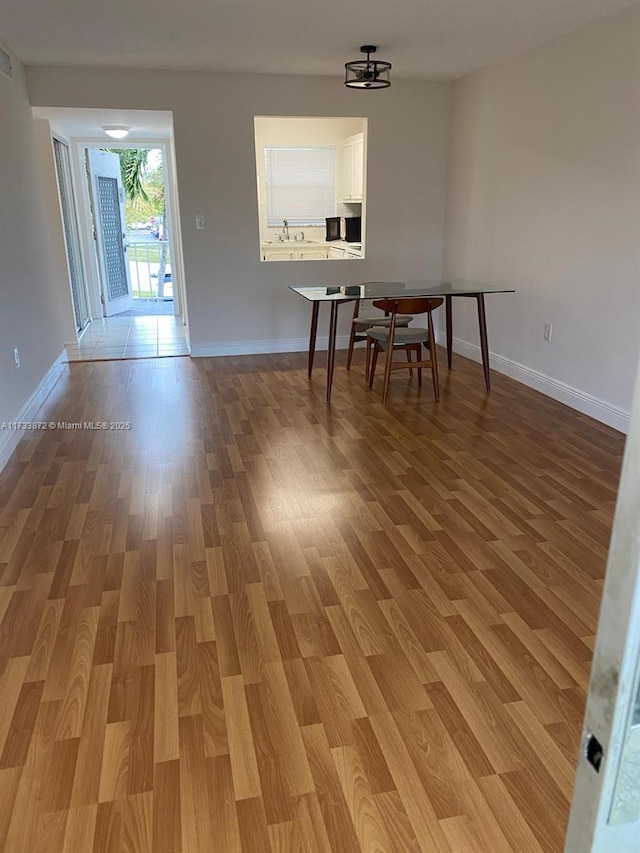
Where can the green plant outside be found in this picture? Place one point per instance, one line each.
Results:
(143, 187)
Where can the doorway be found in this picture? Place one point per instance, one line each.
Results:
(124, 249)
(132, 229)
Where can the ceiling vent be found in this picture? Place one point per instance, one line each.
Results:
(5, 63)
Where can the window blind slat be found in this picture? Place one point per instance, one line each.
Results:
(301, 184)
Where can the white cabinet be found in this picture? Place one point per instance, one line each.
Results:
(277, 254)
(347, 171)
(353, 168)
(308, 251)
(313, 253)
(294, 253)
(344, 253)
(358, 167)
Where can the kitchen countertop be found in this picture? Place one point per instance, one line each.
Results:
(287, 244)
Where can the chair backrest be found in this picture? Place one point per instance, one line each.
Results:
(408, 305)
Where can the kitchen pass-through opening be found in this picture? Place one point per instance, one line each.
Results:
(311, 187)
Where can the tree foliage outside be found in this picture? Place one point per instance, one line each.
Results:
(143, 186)
(133, 165)
(142, 207)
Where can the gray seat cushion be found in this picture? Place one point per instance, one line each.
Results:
(362, 323)
(402, 336)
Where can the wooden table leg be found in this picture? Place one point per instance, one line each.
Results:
(449, 309)
(331, 347)
(484, 344)
(315, 308)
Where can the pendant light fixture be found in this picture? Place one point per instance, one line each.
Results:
(367, 73)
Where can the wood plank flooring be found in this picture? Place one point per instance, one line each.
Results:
(253, 622)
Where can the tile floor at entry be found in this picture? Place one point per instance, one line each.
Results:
(131, 337)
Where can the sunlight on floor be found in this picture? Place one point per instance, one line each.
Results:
(131, 337)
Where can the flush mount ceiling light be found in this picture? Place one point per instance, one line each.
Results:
(367, 73)
(116, 131)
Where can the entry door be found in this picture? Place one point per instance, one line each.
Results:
(605, 813)
(107, 201)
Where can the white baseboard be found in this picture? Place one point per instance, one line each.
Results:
(9, 438)
(262, 347)
(598, 409)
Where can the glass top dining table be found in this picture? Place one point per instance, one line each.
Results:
(446, 288)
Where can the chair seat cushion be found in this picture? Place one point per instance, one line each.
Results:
(402, 336)
(362, 323)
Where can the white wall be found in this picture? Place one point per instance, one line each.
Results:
(28, 316)
(236, 303)
(544, 195)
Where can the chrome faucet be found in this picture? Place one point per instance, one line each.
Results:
(285, 229)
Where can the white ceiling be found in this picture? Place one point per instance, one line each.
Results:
(145, 124)
(424, 39)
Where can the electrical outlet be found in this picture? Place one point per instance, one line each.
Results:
(200, 223)
(548, 331)
(16, 356)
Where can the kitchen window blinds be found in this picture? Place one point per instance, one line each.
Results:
(300, 184)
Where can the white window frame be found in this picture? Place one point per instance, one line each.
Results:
(321, 164)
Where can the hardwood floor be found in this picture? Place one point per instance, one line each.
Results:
(253, 622)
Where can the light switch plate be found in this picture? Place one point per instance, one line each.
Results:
(200, 223)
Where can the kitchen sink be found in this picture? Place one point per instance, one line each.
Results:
(291, 242)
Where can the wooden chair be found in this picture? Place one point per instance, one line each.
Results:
(359, 326)
(408, 339)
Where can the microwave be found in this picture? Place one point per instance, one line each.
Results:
(333, 228)
(353, 229)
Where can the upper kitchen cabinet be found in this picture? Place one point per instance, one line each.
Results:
(353, 168)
